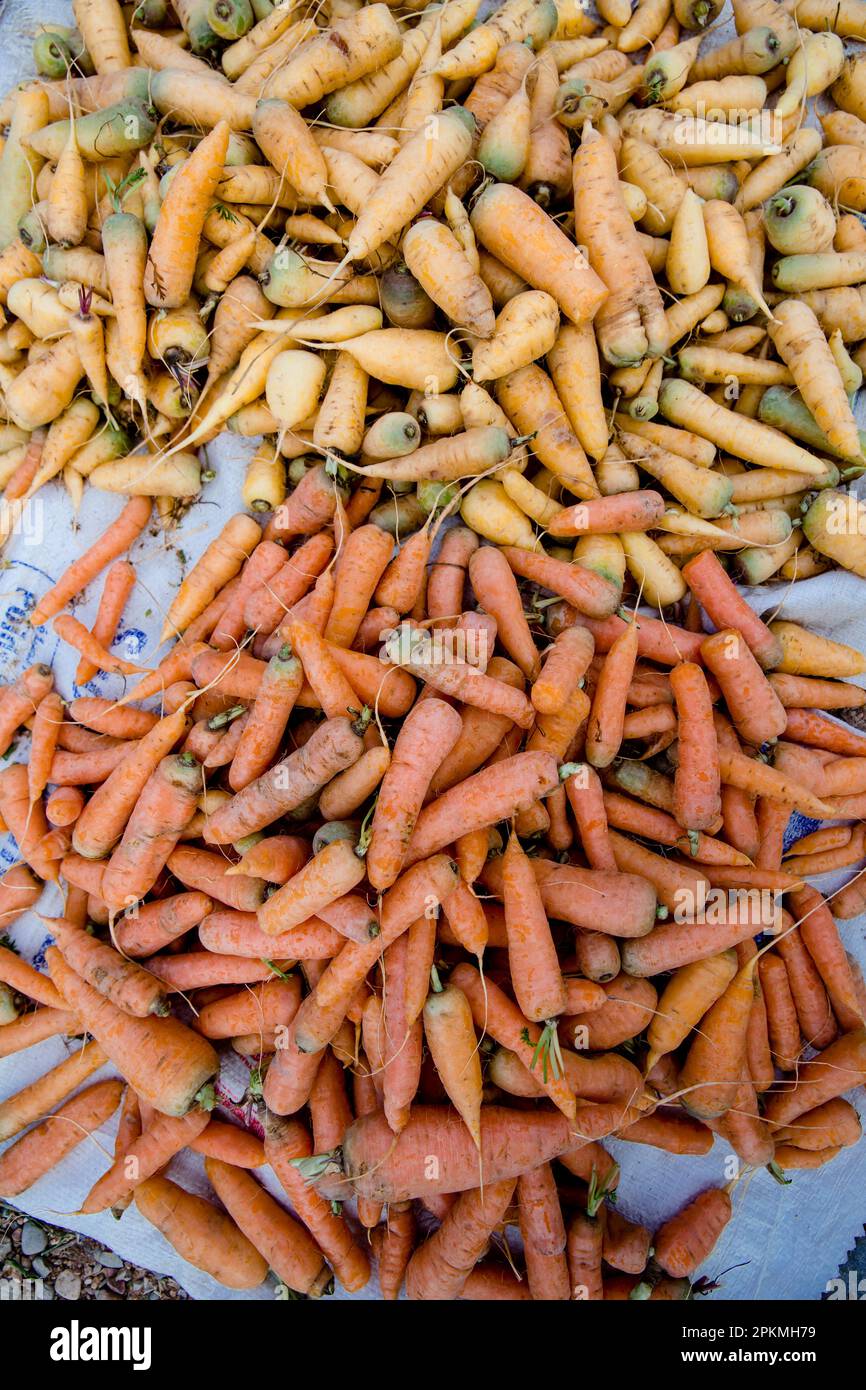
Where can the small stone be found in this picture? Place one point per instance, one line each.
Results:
(109, 1260)
(107, 1296)
(5, 1247)
(68, 1285)
(33, 1239)
(40, 1268)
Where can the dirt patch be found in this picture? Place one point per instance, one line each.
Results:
(68, 1266)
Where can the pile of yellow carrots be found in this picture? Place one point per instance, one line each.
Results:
(507, 859)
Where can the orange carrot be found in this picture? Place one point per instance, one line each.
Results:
(333, 747)
(427, 735)
(101, 823)
(584, 1249)
(466, 920)
(202, 969)
(310, 507)
(535, 973)
(164, 809)
(87, 769)
(206, 872)
(403, 579)
(605, 730)
(807, 692)
(719, 598)
(34, 1027)
(626, 1245)
(267, 722)
(264, 562)
(26, 820)
(462, 681)
(286, 1140)
(817, 1024)
(494, 794)
(752, 703)
(675, 884)
(238, 934)
(820, 936)
(403, 1041)
(377, 1167)
(361, 564)
(165, 1136)
(585, 797)
(839, 1068)
(330, 1111)
(283, 1242)
(25, 980)
(757, 778)
(18, 701)
(275, 858)
(64, 805)
(119, 583)
(266, 1007)
(685, 1241)
(496, 590)
(291, 1075)
(230, 1144)
(628, 1007)
(679, 943)
(491, 1282)
(670, 1130)
(32, 1103)
(697, 799)
(564, 666)
(759, 1061)
(772, 820)
(221, 561)
(783, 1025)
(439, 1268)
(448, 575)
(165, 1062)
(396, 1240)
(201, 1234)
(809, 727)
(622, 904)
(836, 1123)
(330, 874)
(657, 640)
(43, 741)
(153, 925)
(129, 1128)
(587, 591)
(48, 1143)
(543, 1233)
(450, 1035)
(481, 735)
(624, 814)
(132, 989)
(117, 539)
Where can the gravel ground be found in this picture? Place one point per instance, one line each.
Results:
(71, 1266)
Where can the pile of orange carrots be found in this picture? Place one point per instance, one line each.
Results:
(507, 856)
(467, 914)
